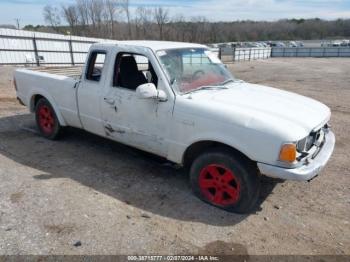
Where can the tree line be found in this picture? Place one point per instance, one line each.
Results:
(114, 19)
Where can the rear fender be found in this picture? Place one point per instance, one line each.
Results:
(49, 98)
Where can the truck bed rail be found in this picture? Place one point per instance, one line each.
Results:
(73, 71)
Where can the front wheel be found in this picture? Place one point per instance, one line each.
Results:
(46, 120)
(221, 179)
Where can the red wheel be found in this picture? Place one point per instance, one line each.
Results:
(219, 185)
(46, 119)
(226, 180)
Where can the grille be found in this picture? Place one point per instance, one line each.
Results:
(315, 139)
(310, 146)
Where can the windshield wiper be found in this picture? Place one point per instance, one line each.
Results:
(217, 86)
(206, 88)
(226, 82)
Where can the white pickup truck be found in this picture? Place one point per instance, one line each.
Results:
(178, 101)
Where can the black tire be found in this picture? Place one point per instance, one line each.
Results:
(47, 124)
(245, 181)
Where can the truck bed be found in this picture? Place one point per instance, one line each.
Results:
(72, 71)
(56, 84)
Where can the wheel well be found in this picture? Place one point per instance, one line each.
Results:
(199, 147)
(35, 100)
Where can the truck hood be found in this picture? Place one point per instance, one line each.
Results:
(268, 105)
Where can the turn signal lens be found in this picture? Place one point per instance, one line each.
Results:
(288, 153)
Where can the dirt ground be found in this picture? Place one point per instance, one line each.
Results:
(117, 200)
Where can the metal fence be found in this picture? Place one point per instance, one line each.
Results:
(18, 47)
(231, 55)
(311, 52)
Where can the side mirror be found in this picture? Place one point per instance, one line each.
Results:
(149, 90)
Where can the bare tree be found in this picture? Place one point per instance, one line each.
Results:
(70, 14)
(161, 16)
(17, 23)
(125, 5)
(111, 7)
(138, 23)
(143, 20)
(96, 16)
(52, 17)
(83, 13)
(214, 30)
(99, 18)
(178, 25)
(198, 29)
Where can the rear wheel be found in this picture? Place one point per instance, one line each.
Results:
(224, 180)
(46, 120)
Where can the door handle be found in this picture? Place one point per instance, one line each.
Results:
(110, 101)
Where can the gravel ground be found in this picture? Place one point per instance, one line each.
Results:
(117, 200)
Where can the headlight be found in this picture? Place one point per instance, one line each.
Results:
(301, 145)
(288, 153)
(305, 144)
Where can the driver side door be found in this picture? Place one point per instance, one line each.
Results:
(141, 123)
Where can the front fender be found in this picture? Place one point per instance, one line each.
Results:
(255, 145)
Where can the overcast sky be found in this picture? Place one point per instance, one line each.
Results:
(30, 11)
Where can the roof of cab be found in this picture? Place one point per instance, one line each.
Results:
(154, 45)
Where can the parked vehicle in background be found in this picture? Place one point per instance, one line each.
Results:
(345, 43)
(254, 44)
(326, 44)
(235, 45)
(277, 44)
(178, 101)
(263, 44)
(336, 43)
(295, 44)
(292, 44)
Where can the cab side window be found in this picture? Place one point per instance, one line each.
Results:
(95, 65)
(133, 70)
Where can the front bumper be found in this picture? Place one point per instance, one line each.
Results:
(307, 171)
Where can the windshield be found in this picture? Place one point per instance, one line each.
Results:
(193, 68)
